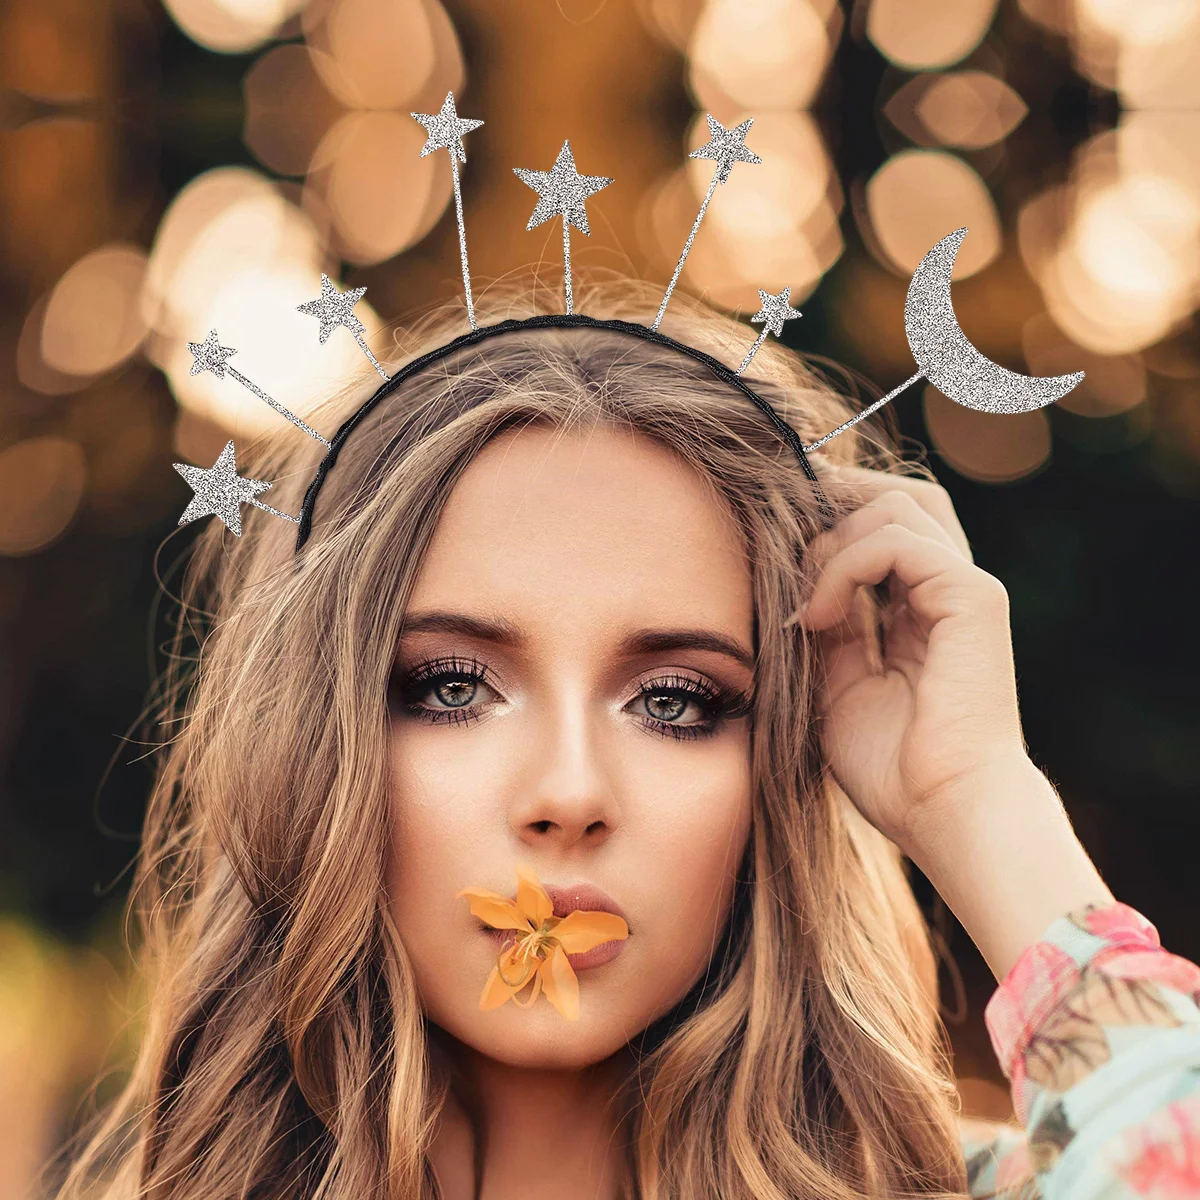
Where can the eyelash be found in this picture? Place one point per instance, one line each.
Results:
(720, 703)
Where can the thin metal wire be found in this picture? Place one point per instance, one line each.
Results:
(279, 408)
(687, 246)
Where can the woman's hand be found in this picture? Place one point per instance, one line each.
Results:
(902, 734)
(927, 744)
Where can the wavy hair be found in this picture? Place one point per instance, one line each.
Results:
(285, 1054)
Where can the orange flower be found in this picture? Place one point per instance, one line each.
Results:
(539, 954)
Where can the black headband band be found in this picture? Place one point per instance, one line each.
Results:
(550, 321)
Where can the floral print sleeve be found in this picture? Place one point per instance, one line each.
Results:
(1097, 1028)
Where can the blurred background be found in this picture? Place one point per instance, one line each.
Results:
(170, 167)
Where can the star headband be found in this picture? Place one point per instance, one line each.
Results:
(943, 354)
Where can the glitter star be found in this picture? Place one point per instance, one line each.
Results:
(775, 310)
(219, 490)
(726, 146)
(333, 308)
(446, 129)
(210, 355)
(562, 190)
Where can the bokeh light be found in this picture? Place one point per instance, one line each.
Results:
(288, 109)
(921, 34)
(221, 194)
(771, 54)
(988, 447)
(383, 53)
(94, 319)
(32, 369)
(62, 1008)
(730, 264)
(109, 110)
(1112, 383)
(671, 20)
(919, 196)
(1148, 53)
(231, 26)
(776, 225)
(971, 109)
(1116, 250)
(381, 195)
(254, 311)
(1139, 236)
(233, 254)
(777, 195)
(1136, 21)
(1163, 77)
(42, 481)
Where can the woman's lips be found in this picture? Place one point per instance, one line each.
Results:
(597, 956)
(567, 898)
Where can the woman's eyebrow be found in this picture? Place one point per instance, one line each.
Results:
(485, 629)
(646, 641)
(641, 641)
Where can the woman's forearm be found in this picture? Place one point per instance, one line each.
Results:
(1002, 854)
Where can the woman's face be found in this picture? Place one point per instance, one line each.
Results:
(569, 695)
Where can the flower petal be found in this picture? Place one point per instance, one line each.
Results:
(495, 991)
(579, 930)
(531, 897)
(494, 910)
(560, 984)
(537, 987)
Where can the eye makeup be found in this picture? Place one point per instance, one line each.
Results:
(446, 690)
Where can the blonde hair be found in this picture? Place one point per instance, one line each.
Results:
(285, 1054)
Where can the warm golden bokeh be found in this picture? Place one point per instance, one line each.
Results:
(1114, 383)
(42, 482)
(761, 57)
(168, 169)
(918, 196)
(968, 109)
(382, 196)
(1116, 251)
(920, 34)
(992, 447)
(62, 1011)
(93, 319)
(231, 26)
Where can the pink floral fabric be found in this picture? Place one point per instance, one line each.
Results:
(1097, 1029)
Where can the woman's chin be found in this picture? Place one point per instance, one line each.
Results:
(539, 1039)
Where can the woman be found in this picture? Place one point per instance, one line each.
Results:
(567, 608)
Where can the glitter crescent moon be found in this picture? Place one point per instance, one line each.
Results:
(946, 356)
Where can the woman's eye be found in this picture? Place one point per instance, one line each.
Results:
(455, 693)
(667, 706)
(684, 708)
(446, 692)
(454, 690)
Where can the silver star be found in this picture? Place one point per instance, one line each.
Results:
(210, 355)
(219, 491)
(446, 129)
(775, 310)
(726, 146)
(562, 190)
(333, 308)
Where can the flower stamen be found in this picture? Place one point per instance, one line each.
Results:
(542, 943)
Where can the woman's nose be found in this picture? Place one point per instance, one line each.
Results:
(569, 797)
